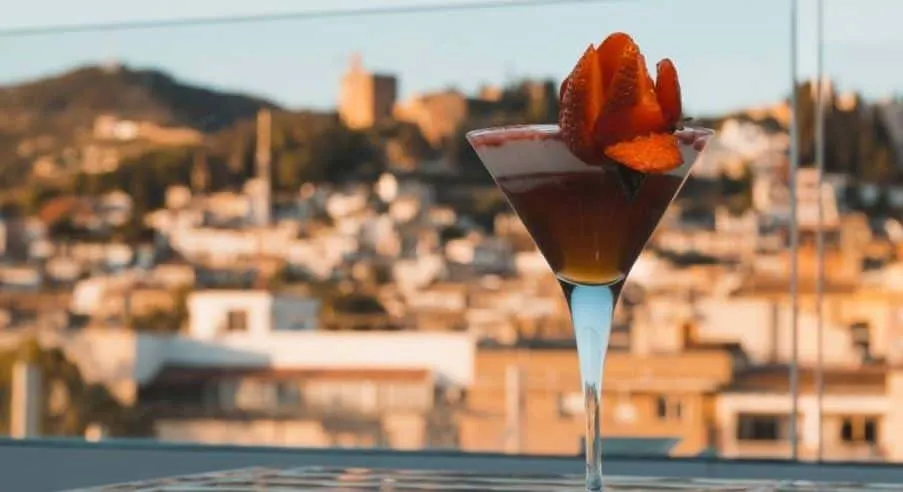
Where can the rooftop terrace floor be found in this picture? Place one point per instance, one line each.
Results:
(364, 480)
(44, 465)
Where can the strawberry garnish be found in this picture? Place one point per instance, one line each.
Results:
(581, 105)
(667, 90)
(647, 153)
(612, 109)
(564, 87)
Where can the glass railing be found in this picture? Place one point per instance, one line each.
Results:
(266, 228)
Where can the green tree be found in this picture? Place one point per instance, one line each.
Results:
(69, 404)
(737, 191)
(306, 147)
(357, 303)
(459, 151)
(342, 154)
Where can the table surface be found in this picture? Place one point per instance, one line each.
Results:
(261, 479)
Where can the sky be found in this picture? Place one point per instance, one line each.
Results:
(730, 53)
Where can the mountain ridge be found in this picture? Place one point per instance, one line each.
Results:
(149, 94)
(52, 115)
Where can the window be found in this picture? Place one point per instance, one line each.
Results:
(570, 405)
(301, 323)
(859, 429)
(256, 395)
(406, 396)
(861, 339)
(752, 427)
(210, 395)
(236, 320)
(668, 408)
(227, 390)
(335, 396)
(288, 395)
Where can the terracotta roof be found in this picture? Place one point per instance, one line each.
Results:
(57, 208)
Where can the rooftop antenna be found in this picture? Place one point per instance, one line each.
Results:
(794, 237)
(823, 90)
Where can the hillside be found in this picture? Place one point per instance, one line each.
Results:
(77, 96)
(48, 115)
(864, 139)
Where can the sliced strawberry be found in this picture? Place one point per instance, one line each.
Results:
(655, 153)
(623, 90)
(667, 90)
(646, 86)
(563, 89)
(615, 48)
(628, 124)
(580, 107)
(630, 107)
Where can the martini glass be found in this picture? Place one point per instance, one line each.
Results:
(590, 222)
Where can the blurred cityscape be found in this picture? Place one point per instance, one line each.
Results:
(186, 264)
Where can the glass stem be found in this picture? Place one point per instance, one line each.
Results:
(592, 307)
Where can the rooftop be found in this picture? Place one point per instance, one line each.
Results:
(79, 465)
(322, 478)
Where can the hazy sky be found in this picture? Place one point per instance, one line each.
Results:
(730, 53)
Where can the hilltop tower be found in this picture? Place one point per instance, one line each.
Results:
(365, 98)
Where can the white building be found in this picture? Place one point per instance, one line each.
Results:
(226, 246)
(215, 313)
(279, 388)
(772, 197)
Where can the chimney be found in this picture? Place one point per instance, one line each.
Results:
(26, 401)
